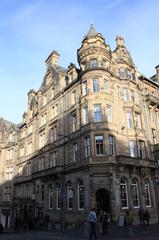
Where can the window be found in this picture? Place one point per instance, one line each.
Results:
(9, 154)
(80, 196)
(122, 73)
(132, 96)
(52, 92)
(87, 152)
(111, 145)
(53, 136)
(7, 193)
(85, 88)
(95, 83)
(135, 193)
(109, 113)
(43, 119)
(23, 134)
(154, 136)
(50, 197)
(42, 193)
(93, 63)
(106, 86)
(58, 197)
(132, 148)
(30, 129)
(70, 77)
(45, 100)
(53, 158)
(69, 196)
(141, 149)
(74, 97)
(21, 151)
(74, 122)
(125, 95)
(97, 113)
(129, 75)
(9, 173)
(129, 119)
(138, 121)
(41, 139)
(86, 115)
(54, 111)
(75, 152)
(29, 148)
(99, 145)
(28, 168)
(41, 163)
(147, 194)
(123, 193)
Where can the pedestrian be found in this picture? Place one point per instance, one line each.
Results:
(147, 217)
(101, 221)
(92, 219)
(141, 216)
(1, 228)
(105, 222)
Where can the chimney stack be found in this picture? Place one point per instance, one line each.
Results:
(53, 58)
(120, 41)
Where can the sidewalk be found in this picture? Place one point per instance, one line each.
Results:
(114, 232)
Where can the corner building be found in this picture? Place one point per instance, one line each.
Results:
(89, 139)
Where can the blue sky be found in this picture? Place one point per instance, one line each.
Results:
(31, 29)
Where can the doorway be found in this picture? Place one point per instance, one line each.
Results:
(103, 200)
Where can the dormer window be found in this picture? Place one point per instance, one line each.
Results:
(93, 63)
(129, 74)
(45, 100)
(122, 73)
(71, 77)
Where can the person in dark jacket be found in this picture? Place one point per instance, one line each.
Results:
(147, 217)
(1, 228)
(141, 217)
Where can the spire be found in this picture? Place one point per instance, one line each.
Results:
(92, 32)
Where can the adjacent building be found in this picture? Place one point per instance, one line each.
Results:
(89, 138)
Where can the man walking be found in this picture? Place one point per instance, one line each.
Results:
(92, 219)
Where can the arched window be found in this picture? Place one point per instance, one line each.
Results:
(80, 196)
(147, 194)
(135, 193)
(58, 197)
(123, 193)
(69, 196)
(50, 197)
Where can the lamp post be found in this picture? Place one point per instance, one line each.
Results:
(63, 190)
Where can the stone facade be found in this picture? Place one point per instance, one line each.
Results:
(88, 139)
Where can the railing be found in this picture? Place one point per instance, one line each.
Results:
(152, 100)
(97, 65)
(126, 160)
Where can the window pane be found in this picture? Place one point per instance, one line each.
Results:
(123, 194)
(99, 145)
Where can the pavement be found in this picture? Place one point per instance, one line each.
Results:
(114, 233)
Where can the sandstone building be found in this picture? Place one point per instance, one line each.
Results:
(89, 138)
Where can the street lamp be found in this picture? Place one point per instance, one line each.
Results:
(63, 190)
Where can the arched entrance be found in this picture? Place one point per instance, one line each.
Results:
(103, 200)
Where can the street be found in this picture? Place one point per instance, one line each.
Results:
(58, 236)
(114, 233)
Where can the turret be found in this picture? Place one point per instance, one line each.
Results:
(93, 53)
(157, 73)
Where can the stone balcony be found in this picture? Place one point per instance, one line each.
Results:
(129, 161)
(152, 100)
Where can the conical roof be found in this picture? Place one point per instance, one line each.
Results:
(92, 31)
